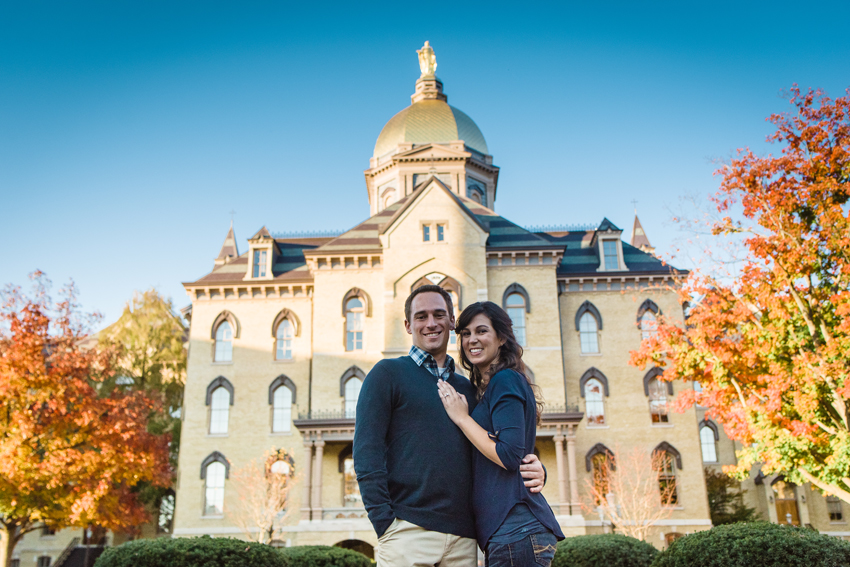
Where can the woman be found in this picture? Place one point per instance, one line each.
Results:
(515, 527)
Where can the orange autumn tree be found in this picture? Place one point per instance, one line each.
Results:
(69, 456)
(770, 345)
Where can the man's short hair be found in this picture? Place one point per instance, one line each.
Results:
(426, 289)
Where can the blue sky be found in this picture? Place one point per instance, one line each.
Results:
(129, 130)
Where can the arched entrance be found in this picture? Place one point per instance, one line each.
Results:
(785, 495)
(357, 545)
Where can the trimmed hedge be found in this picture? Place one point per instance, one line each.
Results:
(604, 550)
(759, 544)
(324, 556)
(192, 552)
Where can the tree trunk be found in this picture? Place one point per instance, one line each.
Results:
(12, 538)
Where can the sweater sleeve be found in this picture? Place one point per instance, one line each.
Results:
(507, 412)
(374, 413)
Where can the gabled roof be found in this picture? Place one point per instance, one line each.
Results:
(262, 234)
(639, 238)
(581, 260)
(607, 225)
(229, 250)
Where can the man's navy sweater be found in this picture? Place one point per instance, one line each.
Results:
(411, 461)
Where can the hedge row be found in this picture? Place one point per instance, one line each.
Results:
(225, 552)
(755, 544)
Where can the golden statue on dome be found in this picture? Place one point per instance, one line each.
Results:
(427, 60)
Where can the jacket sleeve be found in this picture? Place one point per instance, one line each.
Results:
(373, 417)
(507, 412)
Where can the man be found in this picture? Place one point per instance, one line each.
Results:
(414, 466)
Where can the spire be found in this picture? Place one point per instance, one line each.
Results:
(229, 251)
(639, 239)
(428, 86)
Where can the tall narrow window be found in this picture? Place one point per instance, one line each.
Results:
(352, 392)
(43, 561)
(833, 506)
(281, 410)
(455, 310)
(284, 340)
(351, 489)
(589, 334)
(648, 325)
(594, 397)
(516, 310)
(601, 474)
(658, 401)
(259, 263)
(609, 249)
(667, 479)
(214, 490)
(441, 232)
(224, 342)
(426, 233)
(354, 324)
(708, 443)
(219, 410)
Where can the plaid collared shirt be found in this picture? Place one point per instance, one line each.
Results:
(422, 358)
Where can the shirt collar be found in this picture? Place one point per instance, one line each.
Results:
(420, 357)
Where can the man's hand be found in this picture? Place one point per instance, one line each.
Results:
(533, 473)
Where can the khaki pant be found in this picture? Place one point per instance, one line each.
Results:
(407, 545)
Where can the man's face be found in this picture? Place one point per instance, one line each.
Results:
(431, 323)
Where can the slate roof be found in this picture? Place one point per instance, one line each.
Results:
(581, 259)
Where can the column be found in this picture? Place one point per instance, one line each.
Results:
(571, 459)
(305, 499)
(317, 479)
(563, 503)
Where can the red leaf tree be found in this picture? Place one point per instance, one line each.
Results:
(770, 345)
(69, 456)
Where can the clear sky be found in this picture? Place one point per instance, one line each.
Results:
(130, 130)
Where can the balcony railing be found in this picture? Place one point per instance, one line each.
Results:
(327, 414)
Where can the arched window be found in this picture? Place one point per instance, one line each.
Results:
(352, 392)
(594, 402)
(214, 489)
(349, 388)
(600, 463)
(354, 312)
(284, 335)
(666, 478)
(456, 310)
(589, 334)
(224, 342)
(515, 304)
(708, 437)
(657, 400)
(281, 409)
(647, 318)
(219, 410)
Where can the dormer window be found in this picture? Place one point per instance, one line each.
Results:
(259, 263)
(609, 250)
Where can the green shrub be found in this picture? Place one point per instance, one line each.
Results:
(192, 552)
(324, 556)
(756, 544)
(605, 550)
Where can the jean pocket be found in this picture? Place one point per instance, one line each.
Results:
(543, 546)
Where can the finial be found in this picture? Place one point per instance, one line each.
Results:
(634, 203)
(427, 61)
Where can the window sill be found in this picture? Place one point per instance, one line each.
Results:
(591, 354)
(284, 360)
(222, 363)
(218, 435)
(662, 425)
(711, 462)
(597, 427)
(838, 523)
(673, 507)
(220, 517)
(280, 434)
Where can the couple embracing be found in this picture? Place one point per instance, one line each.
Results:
(443, 461)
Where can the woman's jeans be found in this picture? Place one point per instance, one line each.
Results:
(536, 549)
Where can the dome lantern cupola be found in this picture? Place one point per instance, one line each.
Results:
(431, 136)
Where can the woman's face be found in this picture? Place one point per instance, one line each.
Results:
(480, 342)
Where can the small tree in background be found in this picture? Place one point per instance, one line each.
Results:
(770, 343)
(262, 487)
(69, 456)
(725, 499)
(149, 341)
(632, 491)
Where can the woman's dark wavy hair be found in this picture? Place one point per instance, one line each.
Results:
(510, 353)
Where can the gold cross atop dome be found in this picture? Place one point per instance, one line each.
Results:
(427, 60)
